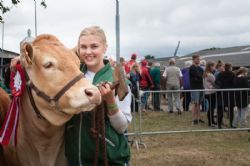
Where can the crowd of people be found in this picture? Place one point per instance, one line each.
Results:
(218, 76)
(198, 80)
(143, 76)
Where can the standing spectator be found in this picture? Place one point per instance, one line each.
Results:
(224, 80)
(123, 63)
(240, 81)
(112, 62)
(130, 63)
(146, 84)
(209, 83)
(220, 67)
(196, 83)
(186, 86)
(155, 74)
(173, 77)
(134, 79)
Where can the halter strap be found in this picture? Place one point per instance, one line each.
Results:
(55, 99)
(33, 103)
(52, 101)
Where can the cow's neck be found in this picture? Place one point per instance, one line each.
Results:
(42, 140)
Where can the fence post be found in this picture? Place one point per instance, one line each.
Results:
(140, 118)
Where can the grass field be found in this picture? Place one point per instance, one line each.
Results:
(194, 149)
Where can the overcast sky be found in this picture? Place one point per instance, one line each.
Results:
(147, 26)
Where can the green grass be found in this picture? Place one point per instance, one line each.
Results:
(224, 148)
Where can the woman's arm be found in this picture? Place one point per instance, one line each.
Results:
(119, 112)
(123, 117)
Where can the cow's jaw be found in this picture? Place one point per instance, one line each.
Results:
(56, 117)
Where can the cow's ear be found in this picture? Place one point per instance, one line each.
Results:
(27, 53)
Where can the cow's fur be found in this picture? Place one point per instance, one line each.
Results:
(41, 141)
(4, 106)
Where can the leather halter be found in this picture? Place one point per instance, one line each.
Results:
(52, 101)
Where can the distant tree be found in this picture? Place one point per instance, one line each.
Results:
(148, 57)
(6, 8)
(212, 48)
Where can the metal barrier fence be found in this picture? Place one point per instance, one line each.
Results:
(220, 110)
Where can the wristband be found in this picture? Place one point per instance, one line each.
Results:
(112, 107)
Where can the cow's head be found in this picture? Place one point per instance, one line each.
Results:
(50, 66)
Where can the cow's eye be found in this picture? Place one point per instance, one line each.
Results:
(48, 65)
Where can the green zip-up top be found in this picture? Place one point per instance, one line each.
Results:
(80, 145)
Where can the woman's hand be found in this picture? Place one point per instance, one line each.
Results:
(109, 98)
(107, 93)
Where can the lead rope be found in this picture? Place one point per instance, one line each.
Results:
(94, 131)
(80, 141)
(98, 125)
(104, 145)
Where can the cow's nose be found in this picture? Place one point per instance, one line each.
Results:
(93, 95)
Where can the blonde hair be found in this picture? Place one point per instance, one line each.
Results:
(135, 67)
(208, 68)
(93, 30)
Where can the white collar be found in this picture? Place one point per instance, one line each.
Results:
(89, 75)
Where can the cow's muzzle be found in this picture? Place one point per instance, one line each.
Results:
(93, 95)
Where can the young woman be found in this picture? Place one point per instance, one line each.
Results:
(209, 83)
(134, 77)
(241, 97)
(80, 144)
(220, 67)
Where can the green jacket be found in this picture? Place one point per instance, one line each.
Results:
(155, 74)
(83, 145)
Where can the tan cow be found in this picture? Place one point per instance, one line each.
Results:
(50, 66)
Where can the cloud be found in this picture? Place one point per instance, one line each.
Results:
(147, 27)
